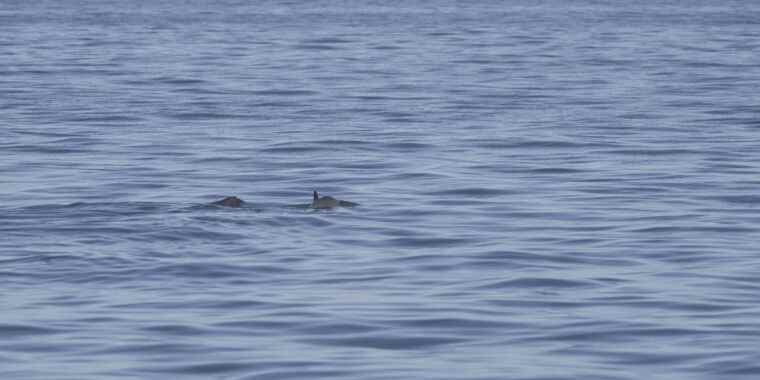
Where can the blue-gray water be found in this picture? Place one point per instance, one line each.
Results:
(548, 189)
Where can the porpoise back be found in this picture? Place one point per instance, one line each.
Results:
(318, 202)
(229, 202)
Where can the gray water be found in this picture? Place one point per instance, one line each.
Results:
(547, 189)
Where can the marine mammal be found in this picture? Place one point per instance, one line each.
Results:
(229, 202)
(329, 202)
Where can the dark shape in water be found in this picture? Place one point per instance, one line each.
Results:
(229, 202)
(329, 202)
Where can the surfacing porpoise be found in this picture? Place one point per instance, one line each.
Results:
(229, 202)
(316, 203)
(329, 202)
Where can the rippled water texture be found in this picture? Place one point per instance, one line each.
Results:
(548, 190)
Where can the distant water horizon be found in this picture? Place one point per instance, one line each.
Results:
(547, 190)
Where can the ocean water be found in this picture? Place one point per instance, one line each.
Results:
(548, 190)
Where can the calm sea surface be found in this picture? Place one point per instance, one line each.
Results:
(548, 190)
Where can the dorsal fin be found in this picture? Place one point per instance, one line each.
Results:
(316, 196)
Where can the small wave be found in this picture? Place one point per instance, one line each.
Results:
(208, 369)
(453, 324)
(327, 40)
(556, 170)
(175, 330)
(151, 348)
(205, 116)
(522, 283)
(475, 192)
(317, 47)
(284, 93)
(745, 199)
(537, 144)
(323, 329)
(45, 149)
(215, 270)
(296, 149)
(10, 331)
(387, 342)
(427, 242)
(408, 146)
(654, 152)
(306, 373)
(178, 81)
(103, 119)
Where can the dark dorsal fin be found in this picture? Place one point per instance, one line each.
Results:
(316, 196)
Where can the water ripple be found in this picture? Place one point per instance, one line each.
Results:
(547, 190)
